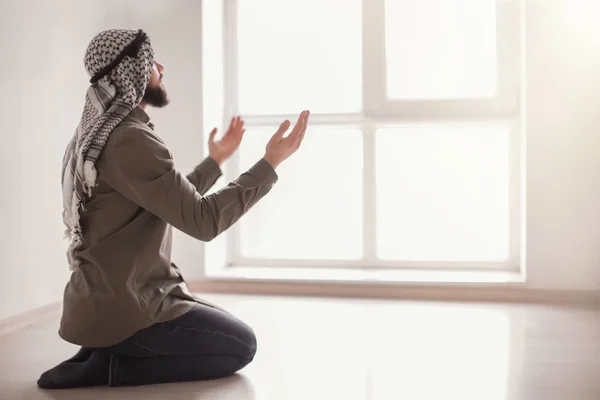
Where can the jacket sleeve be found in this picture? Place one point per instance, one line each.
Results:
(204, 176)
(141, 168)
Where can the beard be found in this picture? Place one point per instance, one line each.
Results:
(156, 96)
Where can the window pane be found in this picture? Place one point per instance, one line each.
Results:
(443, 193)
(441, 49)
(296, 55)
(315, 209)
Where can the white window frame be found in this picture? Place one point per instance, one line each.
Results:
(379, 111)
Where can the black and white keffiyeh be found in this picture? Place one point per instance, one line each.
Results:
(120, 63)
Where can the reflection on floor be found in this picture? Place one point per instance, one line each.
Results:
(333, 349)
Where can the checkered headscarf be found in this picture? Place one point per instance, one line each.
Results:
(120, 63)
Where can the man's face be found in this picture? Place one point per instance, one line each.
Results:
(156, 94)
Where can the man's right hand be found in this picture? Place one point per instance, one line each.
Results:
(280, 148)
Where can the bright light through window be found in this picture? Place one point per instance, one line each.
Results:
(315, 210)
(441, 49)
(443, 193)
(419, 169)
(295, 55)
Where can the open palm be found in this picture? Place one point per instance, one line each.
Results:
(220, 150)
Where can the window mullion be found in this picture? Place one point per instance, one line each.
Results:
(373, 50)
(374, 97)
(509, 22)
(369, 195)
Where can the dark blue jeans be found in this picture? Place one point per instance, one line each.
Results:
(204, 343)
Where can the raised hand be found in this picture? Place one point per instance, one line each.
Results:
(280, 148)
(220, 150)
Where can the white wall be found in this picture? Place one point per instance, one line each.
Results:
(563, 134)
(42, 88)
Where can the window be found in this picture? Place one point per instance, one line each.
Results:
(440, 49)
(443, 192)
(316, 211)
(412, 157)
(287, 52)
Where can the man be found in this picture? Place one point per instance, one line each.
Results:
(126, 304)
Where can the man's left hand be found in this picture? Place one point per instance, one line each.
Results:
(220, 150)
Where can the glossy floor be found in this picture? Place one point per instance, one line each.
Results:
(365, 349)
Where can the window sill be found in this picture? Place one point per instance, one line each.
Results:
(366, 276)
(424, 285)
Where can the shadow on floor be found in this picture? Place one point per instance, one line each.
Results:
(237, 387)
